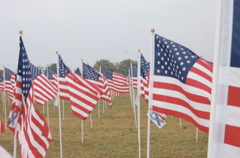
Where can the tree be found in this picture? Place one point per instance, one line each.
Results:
(124, 66)
(103, 63)
(53, 66)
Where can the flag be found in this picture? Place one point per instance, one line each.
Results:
(1, 127)
(83, 95)
(52, 76)
(144, 78)
(116, 82)
(224, 135)
(181, 83)
(9, 82)
(1, 83)
(32, 130)
(43, 88)
(157, 118)
(62, 83)
(133, 76)
(4, 153)
(93, 76)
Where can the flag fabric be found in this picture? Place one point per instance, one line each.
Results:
(181, 83)
(144, 78)
(93, 76)
(224, 136)
(32, 130)
(1, 127)
(1, 83)
(43, 88)
(83, 95)
(52, 76)
(4, 153)
(9, 82)
(133, 76)
(116, 82)
(62, 83)
(157, 118)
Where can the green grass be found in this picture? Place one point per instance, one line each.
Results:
(115, 134)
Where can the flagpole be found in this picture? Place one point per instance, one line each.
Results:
(82, 129)
(59, 110)
(133, 96)
(212, 127)
(150, 92)
(4, 99)
(47, 104)
(138, 104)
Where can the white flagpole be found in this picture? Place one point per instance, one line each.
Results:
(91, 120)
(138, 105)
(103, 106)
(82, 129)
(150, 91)
(15, 143)
(196, 134)
(59, 110)
(47, 104)
(4, 99)
(63, 109)
(217, 117)
(133, 98)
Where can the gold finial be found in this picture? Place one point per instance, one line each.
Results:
(20, 32)
(56, 52)
(138, 50)
(152, 30)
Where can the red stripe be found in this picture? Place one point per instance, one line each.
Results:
(182, 115)
(181, 103)
(232, 135)
(201, 73)
(190, 96)
(198, 84)
(206, 64)
(234, 96)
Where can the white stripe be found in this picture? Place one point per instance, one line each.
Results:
(175, 107)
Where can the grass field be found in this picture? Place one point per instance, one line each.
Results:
(115, 134)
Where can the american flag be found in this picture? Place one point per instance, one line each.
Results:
(32, 130)
(116, 82)
(63, 87)
(93, 76)
(52, 76)
(43, 88)
(83, 95)
(144, 75)
(225, 114)
(1, 83)
(181, 83)
(9, 82)
(133, 75)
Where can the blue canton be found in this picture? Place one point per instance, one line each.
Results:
(8, 74)
(24, 70)
(107, 73)
(63, 70)
(90, 73)
(172, 59)
(145, 67)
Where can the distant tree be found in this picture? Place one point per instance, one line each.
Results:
(53, 66)
(78, 70)
(124, 66)
(103, 63)
(1, 72)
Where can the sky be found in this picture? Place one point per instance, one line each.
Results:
(91, 30)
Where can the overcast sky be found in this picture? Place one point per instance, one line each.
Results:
(102, 29)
